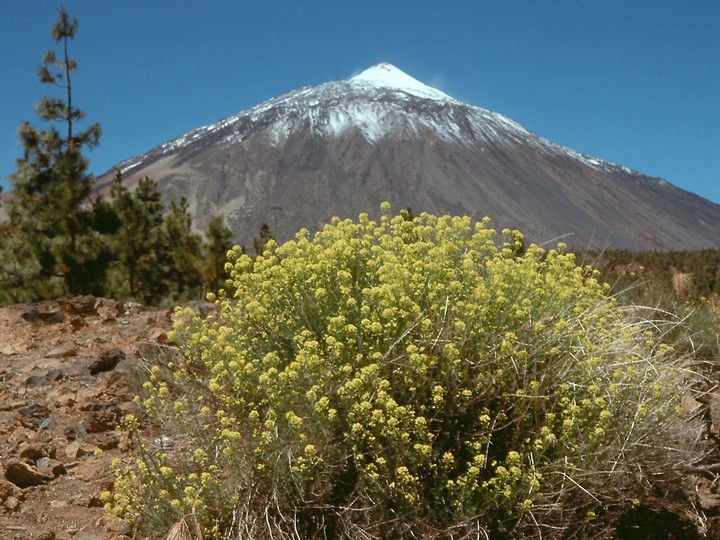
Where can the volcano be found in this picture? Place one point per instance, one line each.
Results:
(343, 147)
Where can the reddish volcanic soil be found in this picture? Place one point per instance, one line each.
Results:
(68, 372)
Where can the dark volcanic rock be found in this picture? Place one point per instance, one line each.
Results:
(35, 415)
(24, 475)
(34, 315)
(85, 306)
(102, 417)
(36, 451)
(106, 361)
(50, 467)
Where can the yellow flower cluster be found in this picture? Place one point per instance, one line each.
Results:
(421, 367)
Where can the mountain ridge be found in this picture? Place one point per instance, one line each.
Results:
(343, 147)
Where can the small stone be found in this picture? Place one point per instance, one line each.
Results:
(50, 467)
(23, 475)
(8, 489)
(77, 323)
(35, 451)
(102, 417)
(34, 415)
(81, 499)
(159, 335)
(120, 528)
(72, 433)
(106, 361)
(64, 351)
(76, 450)
(45, 424)
(80, 305)
(108, 309)
(107, 441)
(36, 316)
(44, 377)
(133, 308)
(12, 504)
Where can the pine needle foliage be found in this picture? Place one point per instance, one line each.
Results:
(218, 243)
(139, 244)
(57, 247)
(63, 239)
(406, 378)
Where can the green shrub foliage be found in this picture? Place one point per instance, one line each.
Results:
(406, 378)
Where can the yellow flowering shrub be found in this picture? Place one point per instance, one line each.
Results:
(405, 378)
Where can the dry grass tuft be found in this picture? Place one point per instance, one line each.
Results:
(682, 283)
(186, 529)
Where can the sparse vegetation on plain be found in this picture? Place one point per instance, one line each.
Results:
(408, 378)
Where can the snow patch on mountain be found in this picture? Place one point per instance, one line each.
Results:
(378, 102)
(388, 76)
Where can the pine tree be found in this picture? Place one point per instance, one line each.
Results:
(139, 244)
(185, 272)
(11, 272)
(218, 241)
(56, 246)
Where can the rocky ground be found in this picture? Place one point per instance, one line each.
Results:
(68, 372)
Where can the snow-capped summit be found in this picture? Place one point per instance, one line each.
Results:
(387, 75)
(343, 147)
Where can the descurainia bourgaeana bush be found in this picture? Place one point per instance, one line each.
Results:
(406, 378)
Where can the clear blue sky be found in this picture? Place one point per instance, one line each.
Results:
(635, 82)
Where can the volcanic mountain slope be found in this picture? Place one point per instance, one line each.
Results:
(344, 147)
